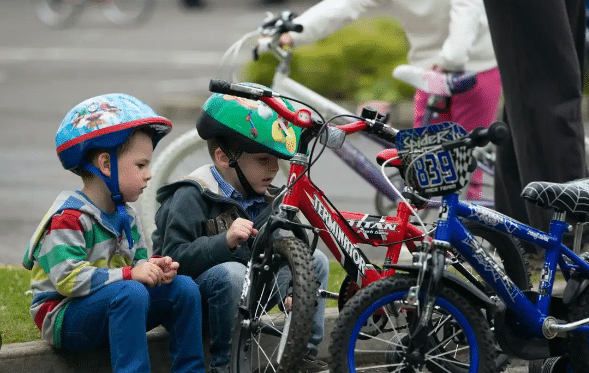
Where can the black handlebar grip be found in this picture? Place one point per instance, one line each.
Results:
(239, 90)
(220, 86)
(498, 132)
(290, 26)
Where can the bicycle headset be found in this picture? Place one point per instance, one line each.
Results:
(105, 122)
(252, 125)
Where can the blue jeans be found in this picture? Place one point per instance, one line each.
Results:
(220, 288)
(121, 313)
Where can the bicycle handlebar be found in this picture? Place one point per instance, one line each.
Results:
(302, 117)
(481, 136)
(283, 23)
(434, 82)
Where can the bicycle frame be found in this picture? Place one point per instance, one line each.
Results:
(450, 229)
(342, 237)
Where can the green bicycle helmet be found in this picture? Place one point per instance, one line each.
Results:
(252, 124)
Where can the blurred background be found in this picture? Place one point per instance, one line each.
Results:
(166, 61)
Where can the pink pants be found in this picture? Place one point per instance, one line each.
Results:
(475, 108)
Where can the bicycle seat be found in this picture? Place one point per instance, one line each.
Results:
(385, 155)
(572, 197)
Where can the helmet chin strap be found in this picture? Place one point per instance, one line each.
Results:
(112, 184)
(233, 163)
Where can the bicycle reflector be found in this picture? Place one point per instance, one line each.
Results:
(427, 167)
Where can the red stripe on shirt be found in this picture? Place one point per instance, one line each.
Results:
(44, 310)
(68, 219)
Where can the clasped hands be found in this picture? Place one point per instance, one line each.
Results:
(156, 271)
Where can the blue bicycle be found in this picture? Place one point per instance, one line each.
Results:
(432, 320)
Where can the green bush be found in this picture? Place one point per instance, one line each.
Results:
(353, 64)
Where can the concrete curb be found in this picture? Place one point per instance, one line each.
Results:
(39, 356)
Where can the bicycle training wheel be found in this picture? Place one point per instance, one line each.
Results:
(268, 337)
(58, 13)
(460, 339)
(178, 159)
(124, 13)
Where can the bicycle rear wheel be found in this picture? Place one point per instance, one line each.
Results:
(58, 13)
(269, 338)
(505, 251)
(460, 340)
(124, 13)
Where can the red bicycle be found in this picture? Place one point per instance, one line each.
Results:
(270, 338)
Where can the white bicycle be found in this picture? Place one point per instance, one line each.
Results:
(122, 13)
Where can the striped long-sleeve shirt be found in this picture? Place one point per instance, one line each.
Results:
(73, 253)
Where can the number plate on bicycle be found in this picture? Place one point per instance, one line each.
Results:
(431, 171)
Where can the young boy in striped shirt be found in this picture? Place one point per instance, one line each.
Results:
(93, 284)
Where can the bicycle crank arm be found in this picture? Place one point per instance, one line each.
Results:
(552, 327)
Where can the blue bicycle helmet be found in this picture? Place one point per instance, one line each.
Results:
(105, 122)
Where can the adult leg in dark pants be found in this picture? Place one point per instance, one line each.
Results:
(539, 49)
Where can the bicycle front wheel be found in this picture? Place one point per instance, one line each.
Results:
(460, 339)
(125, 13)
(269, 337)
(58, 13)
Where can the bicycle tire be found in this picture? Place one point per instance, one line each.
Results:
(254, 347)
(58, 13)
(375, 301)
(506, 251)
(126, 13)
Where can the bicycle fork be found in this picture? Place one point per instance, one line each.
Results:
(429, 284)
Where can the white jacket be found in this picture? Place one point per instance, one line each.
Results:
(453, 34)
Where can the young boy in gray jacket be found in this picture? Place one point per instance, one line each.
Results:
(206, 219)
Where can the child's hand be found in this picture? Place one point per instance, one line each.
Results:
(168, 266)
(240, 230)
(147, 273)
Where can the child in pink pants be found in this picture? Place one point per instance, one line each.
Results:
(474, 108)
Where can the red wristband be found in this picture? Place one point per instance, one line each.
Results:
(127, 273)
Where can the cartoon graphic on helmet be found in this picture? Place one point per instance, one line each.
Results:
(92, 116)
(256, 127)
(104, 122)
